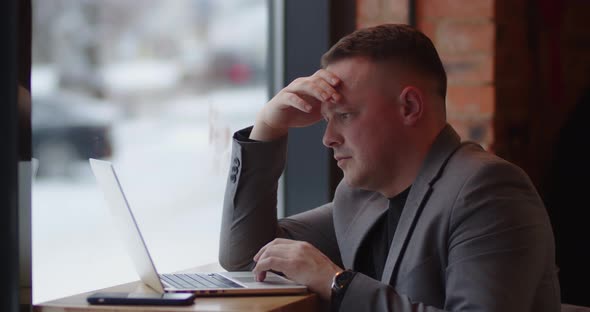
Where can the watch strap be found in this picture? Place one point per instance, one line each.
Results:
(340, 284)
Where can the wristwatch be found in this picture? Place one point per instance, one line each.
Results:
(340, 283)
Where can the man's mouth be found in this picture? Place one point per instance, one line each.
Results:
(341, 159)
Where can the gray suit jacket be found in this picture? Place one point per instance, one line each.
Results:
(473, 235)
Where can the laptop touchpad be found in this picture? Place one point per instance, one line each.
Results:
(268, 280)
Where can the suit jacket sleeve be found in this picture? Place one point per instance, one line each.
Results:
(249, 219)
(495, 261)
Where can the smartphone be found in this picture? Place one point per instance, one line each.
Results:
(122, 298)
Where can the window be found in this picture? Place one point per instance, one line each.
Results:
(157, 87)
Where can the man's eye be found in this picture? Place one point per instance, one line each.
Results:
(344, 116)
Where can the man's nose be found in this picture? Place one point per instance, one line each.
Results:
(331, 137)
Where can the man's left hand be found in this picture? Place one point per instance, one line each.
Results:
(300, 261)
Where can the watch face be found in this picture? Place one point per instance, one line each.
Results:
(342, 279)
(345, 276)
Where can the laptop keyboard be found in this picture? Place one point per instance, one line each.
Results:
(198, 281)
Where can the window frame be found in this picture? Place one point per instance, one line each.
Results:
(9, 284)
(311, 174)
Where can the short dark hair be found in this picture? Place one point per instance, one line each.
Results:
(392, 42)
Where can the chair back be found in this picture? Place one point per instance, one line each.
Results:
(573, 308)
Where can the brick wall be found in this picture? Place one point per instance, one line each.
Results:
(375, 12)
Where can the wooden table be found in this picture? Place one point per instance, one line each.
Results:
(77, 303)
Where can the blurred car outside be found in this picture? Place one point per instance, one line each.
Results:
(69, 129)
(238, 43)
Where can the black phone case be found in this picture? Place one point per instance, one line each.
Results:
(137, 299)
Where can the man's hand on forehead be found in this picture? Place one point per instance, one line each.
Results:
(335, 83)
(297, 105)
(322, 86)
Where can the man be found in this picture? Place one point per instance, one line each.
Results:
(420, 222)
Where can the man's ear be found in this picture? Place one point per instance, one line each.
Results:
(411, 105)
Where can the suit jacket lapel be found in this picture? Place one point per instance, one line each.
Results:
(443, 147)
(363, 221)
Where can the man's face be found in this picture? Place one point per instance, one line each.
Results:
(365, 128)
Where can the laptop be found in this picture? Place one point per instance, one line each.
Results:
(220, 283)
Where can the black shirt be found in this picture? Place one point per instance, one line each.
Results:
(372, 254)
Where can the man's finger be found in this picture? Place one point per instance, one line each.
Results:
(328, 89)
(296, 101)
(328, 76)
(281, 250)
(276, 241)
(314, 86)
(311, 86)
(260, 276)
(270, 263)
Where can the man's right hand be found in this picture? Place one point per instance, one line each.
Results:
(297, 105)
